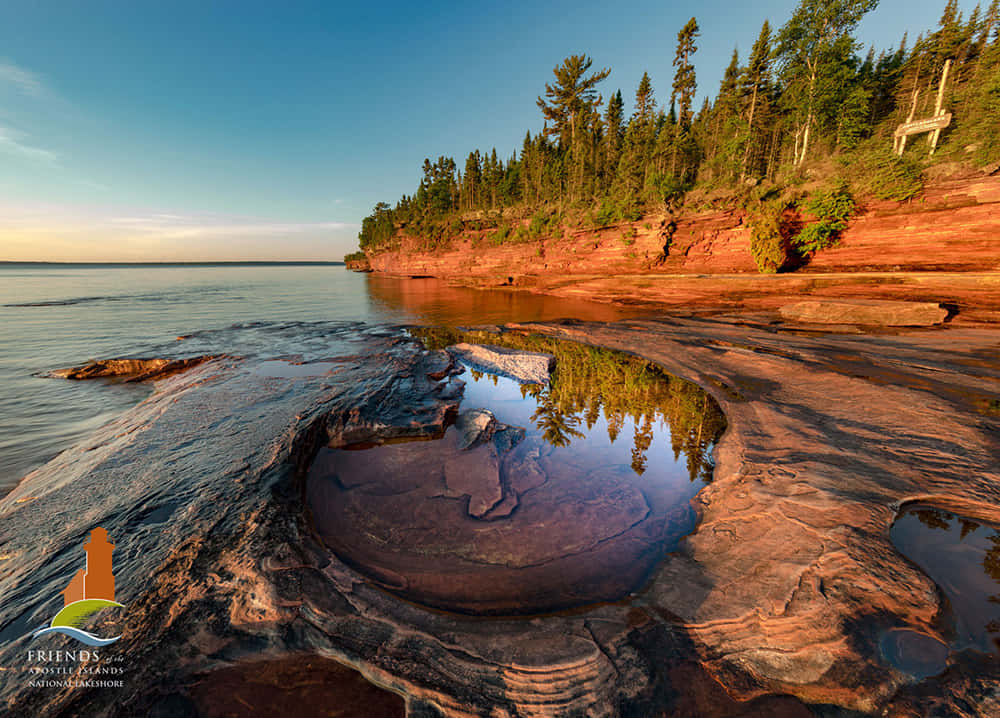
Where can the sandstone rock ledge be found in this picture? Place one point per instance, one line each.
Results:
(869, 312)
(775, 605)
(131, 369)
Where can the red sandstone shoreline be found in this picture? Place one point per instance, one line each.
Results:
(943, 247)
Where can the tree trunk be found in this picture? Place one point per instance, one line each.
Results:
(805, 139)
(809, 116)
(746, 152)
(774, 147)
(673, 161)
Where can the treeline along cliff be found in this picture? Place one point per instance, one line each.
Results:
(803, 125)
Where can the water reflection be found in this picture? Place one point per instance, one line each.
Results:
(591, 383)
(434, 301)
(963, 558)
(575, 497)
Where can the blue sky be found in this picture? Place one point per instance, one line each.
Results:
(245, 130)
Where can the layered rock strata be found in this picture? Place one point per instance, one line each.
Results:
(781, 597)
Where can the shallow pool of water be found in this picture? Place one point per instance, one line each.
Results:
(578, 489)
(963, 558)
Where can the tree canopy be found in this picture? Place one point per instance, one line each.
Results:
(805, 95)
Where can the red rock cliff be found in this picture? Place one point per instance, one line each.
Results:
(953, 226)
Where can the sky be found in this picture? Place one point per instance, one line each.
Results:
(143, 130)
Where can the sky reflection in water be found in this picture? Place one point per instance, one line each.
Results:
(963, 558)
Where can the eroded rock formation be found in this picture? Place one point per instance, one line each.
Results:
(133, 370)
(865, 312)
(781, 596)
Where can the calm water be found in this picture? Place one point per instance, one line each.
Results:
(53, 316)
(572, 498)
(962, 556)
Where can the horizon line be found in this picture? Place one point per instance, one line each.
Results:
(180, 261)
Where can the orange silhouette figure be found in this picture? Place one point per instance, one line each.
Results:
(97, 581)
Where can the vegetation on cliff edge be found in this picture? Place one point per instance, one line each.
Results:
(806, 120)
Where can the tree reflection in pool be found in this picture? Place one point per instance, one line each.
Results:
(572, 497)
(591, 381)
(961, 556)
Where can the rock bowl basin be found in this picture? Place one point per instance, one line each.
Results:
(551, 511)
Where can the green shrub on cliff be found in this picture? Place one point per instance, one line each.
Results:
(768, 245)
(501, 234)
(876, 171)
(832, 208)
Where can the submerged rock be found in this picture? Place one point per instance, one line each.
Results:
(477, 426)
(525, 367)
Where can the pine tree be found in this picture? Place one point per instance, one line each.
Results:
(570, 96)
(756, 80)
(613, 118)
(948, 38)
(720, 145)
(685, 84)
(471, 180)
(645, 105)
(684, 87)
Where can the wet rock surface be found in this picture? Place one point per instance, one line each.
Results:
(303, 686)
(130, 369)
(786, 587)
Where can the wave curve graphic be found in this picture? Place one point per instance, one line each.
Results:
(89, 638)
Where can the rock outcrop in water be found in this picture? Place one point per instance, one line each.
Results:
(133, 370)
(787, 586)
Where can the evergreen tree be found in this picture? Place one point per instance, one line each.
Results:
(724, 130)
(571, 95)
(471, 181)
(645, 105)
(756, 81)
(685, 84)
(684, 88)
(613, 118)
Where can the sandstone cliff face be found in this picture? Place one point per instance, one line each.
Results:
(952, 227)
(358, 265)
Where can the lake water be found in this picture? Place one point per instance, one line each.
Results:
(54, 316)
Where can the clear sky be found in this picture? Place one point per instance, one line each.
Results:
(151, 130)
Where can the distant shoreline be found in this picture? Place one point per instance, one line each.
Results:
(10, 263)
